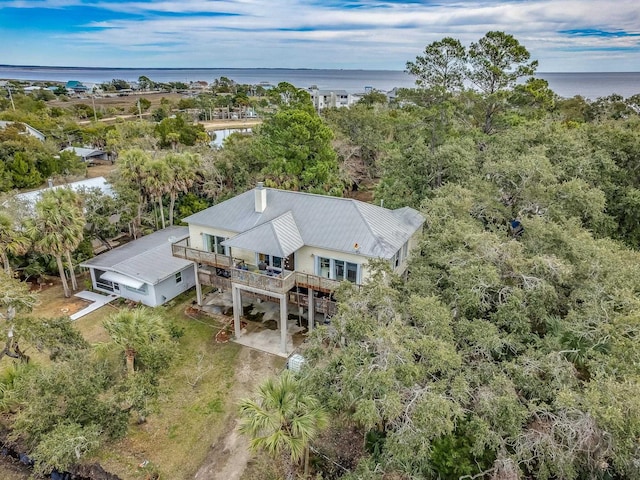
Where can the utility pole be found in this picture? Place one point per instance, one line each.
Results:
(139, 109)
(11, 98)
(93, 100)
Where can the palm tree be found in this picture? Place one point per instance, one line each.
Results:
(283, 419)
(57, 229)
(70, 203)
(183, 168)
(134, 329)
(12, 240)
(156, 182)
(132, 170)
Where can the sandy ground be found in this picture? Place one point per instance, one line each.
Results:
(229, 456)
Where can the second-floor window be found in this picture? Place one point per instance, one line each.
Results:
(213, 244)
(337, 269)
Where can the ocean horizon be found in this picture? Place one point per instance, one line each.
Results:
(591, 85)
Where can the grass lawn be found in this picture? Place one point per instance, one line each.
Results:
(177, 436)
(198, 400)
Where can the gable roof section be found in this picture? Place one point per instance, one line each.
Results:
(279, 237)
(332, 223)
(147, 259)
(84, 152)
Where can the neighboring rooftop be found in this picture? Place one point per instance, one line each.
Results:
(148, 259)
(29, 129)
(84, 152)
(99, 182)
(334, 223)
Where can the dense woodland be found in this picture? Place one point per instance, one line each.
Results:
(510, 348)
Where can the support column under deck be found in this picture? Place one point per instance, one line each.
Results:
(311, 315)
(198, 286)
(237, 309)
(283, 323)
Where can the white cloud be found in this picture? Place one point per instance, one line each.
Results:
(298, 33)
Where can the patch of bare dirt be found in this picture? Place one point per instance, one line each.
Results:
(229, 456)
(51, 300)
(100, 170)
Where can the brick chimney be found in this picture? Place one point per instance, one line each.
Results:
(261, 197)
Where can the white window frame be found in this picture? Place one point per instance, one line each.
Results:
(178, 277)
(269, 260)
(213, 246)
(143, 290)
(333, 264)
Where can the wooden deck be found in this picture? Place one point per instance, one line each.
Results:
(219, 271)
(217, 265)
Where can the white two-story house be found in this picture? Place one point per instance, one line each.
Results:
(294, 247)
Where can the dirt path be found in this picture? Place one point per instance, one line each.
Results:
(229, 456)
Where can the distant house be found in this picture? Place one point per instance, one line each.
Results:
(29, 130)
(144, 270)
(88, 155)
(30, 198)
(329, 98)
(76, 86)
(31, 89)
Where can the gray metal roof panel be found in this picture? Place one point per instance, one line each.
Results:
(327, 222)
(287, 233)
(84, 152)
(148, 258)
(279, 237)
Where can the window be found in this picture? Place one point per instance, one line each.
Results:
(325, 267)
(270, 261)
(213, 244)
(352, 272)
(337, 269)
(142, 290)
(179, 277)
(400, 256)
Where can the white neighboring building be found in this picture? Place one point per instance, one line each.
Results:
(29, 199)
(144, 270)
(29, 129)
(329, 98)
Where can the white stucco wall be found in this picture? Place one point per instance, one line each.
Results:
(305, 257)
(168, 288)
(196, 235)
(158, 294)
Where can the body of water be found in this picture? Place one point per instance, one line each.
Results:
(220, 135)
(588, 85)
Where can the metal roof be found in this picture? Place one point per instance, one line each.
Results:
(148, 259)
(334, 223)
(30, 130)
(30, 198)
(279, 237)
(84, 152)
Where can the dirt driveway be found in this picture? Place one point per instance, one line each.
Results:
(230, 454)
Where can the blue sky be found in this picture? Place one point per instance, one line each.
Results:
(564, 35)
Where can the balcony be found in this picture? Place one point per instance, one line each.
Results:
(182, 249)
(219, 270)
(224, 271)
(280, 282)
(314, 282)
